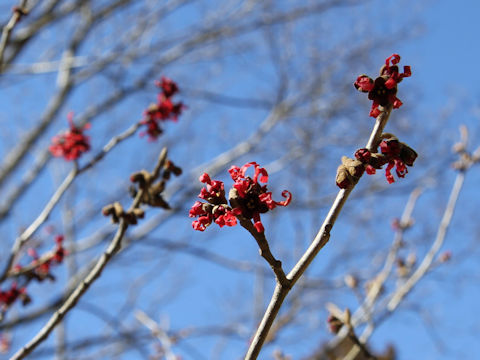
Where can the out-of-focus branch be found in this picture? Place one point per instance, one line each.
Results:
(379, 280)
(23, 184)
(92, 276)
(65, 85)
(465, 162)
(422, 269)
(159, 333)
(18, 12)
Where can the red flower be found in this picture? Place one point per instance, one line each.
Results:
(392, 71)
(215, 210)
(72, 143)
(214, 192)
(383, 90)
(153, 129)
(8, 297)
(363, 155)
(393, 153)
(248, 198)
(163, 110)
(202, 222)
(398, 155)
(60, 251)
(169, 87)
(40, 265)
(370, 170)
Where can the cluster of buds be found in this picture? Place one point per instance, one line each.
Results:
(116, 212)
(393, 153)
(71, 143)
(383, 90)
(164, 109)
(40, 266)
(38, 269)
(152, 191)
(247, 198)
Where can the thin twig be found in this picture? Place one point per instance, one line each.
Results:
(265, 252)
(317, 244)
(8, 28)
(92, 275)
(158, 332)
(422, 269)
(379, 280)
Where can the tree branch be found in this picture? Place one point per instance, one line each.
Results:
(317, 244)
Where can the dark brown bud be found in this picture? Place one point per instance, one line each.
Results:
(141, 177)
(334, 324)
(114, 210)
(377, 160)
(25, 298)
(407, 154)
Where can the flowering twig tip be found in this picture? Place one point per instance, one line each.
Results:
(247, 198)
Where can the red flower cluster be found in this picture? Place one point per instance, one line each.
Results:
(163, 110)
(398, 156)
(8, 297)
(39, 267)
(383, 90)
(72, 143)
(393, 153)
(247, 198)
(216, 209)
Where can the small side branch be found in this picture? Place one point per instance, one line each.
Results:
(422, 269)
(265, 252)
(18, 12)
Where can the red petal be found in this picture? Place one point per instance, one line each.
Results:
(364, 83)
(204, 178)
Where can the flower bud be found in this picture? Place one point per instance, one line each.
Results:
(354, 167)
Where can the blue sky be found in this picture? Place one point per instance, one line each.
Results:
(443, 53)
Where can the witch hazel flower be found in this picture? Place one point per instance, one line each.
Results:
(393, 153)
(10, 296)
(248, 198)
(72, 143)
(383, 90)
(40, 266)
(216, 209)
(251, 198)
(164, 109)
